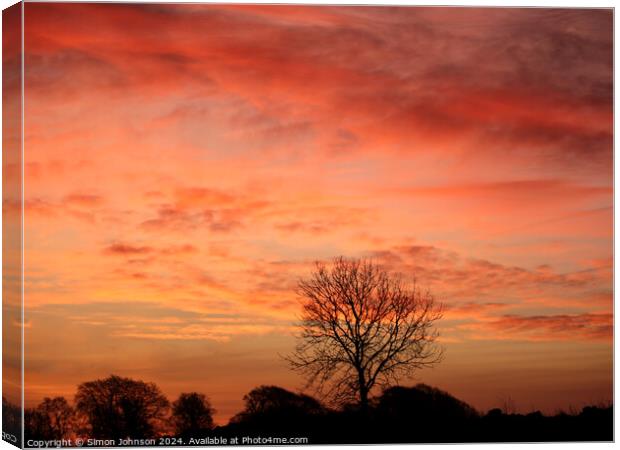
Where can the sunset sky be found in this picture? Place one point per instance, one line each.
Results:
(186, 164)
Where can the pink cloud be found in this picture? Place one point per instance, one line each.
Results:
(554, 327)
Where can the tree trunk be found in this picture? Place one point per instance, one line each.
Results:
(364, 400)
(363, 393)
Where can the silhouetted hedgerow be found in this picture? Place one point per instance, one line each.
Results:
(117, 407)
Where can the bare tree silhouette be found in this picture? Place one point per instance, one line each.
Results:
(192, 414)
(362, 327)
(118, 407)
(58, 415)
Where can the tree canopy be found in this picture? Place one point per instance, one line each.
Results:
(192, 414)
(118, 407)
(363, 327)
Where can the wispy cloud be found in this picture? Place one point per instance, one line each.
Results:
(562, 327)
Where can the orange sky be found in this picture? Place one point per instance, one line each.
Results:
(185, 164)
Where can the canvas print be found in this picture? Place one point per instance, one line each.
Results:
(232, 224)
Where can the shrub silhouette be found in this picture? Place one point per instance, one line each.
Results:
(422, 404)
(277, 408)
(192, 415)
(53, 418)
(598, 420)
(117, 407)
(422, 414)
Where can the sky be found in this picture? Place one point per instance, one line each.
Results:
(185, 165)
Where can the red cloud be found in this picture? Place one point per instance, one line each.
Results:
(467, 281)
(125, 249)
(563, 120)
(133, 250)
(555, 327)
(179, 218)
(455, 310)
(204, 197)
(523, 189)
(83, 200)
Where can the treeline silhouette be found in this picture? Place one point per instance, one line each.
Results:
(118, 408)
